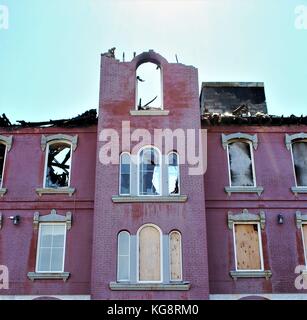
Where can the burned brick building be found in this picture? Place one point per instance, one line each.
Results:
(110, 209)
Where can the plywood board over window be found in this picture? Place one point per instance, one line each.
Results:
(304, 231)
(247, 247)
(149, 254)
(175, 256)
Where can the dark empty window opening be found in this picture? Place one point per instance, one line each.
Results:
(241, 164)
(58, 165)
(173, 174)
(149, 89)
(300, 163)
(149, 172)
(2, 159)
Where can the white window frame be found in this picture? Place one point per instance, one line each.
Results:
(304, 246)
(252, 158)
(120, 174)
(138, 172)
(293, 164)
(138, 254)
(118, 255)
(181, 257)
(179, 177)
(4, 162)
(46, 162)
(137, 86)
(260, 246)
(38, 247)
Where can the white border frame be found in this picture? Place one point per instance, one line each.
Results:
(252, 158)
(120, 174)
(293, 165)
(129, 255)
(137, 86)
(304, 246)
(38, 246)
(260, 246)
(46, 162)
(169, 254)
(138, 172)
(4, 162)
(138, 253)
(179, 176)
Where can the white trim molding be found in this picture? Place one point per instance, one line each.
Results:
(46, 297)
(290, 138)
(181, 286)
(3, 191)
(60, 137)
(53, 217)
(268, 296)
(226, 139)
(235, 274)
(8, 141)
(245, 216)
(230, 190)
(150, 112)
(0, 220)
(300, 219)
(133, 199)
(69, 191)
(48, 276)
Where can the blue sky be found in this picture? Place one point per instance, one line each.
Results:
(50, 55)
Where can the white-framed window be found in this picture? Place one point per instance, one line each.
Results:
(299, 160)
(123, 256)
(57, 172)
(149, 254)
(3, 151)
(149, 172)
(51, 248)
(175, 256)
(125, 174)
(149, 93)
(241, 166)
(248, 246)
(173, 169)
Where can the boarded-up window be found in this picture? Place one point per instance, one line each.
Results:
(125, 165)
(175, 256)
(241, 164)
(300, 163)
(173, 174)
(247, 247)
(123, 256)
(149, 254)
(304, 230)
(2, 159)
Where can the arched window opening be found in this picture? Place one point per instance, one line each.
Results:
(149, 88)
(123, 256)
(173, 174)
(175, 256)
(299, 150)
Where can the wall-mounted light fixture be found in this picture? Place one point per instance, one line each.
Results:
(280, 219)
(15, 219)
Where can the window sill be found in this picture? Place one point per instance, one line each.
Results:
(48, 276)
(149, 112)
(251, 274)
(69, 191)
(297, 190)
(180, 286)
(132, 199)
(2, 192)
(231, 190)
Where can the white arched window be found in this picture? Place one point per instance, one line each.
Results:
(58, 164)
(123, 256)
(175, 253)
(150, 254)
(149, 172)
(125, 174)
(173, 174)
(148, 86)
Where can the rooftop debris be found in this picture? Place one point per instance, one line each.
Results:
(88, 118)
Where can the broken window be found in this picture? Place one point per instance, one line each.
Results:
(247, 247)
(300, 162)
(123, 256)
(2, 160)
(149, 172)
(58, 165)
(173, 173)
(175, 256)
(125, 165)
(148, 84)
(150, 254)
(241, 164)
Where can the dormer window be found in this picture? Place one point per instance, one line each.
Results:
(148, 87)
